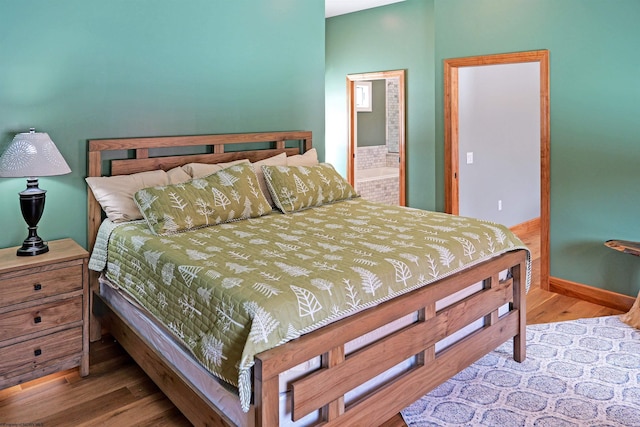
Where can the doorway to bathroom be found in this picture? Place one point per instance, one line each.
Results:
(376, 149)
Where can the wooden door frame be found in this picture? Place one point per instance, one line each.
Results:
(351, 146)
(451, 138)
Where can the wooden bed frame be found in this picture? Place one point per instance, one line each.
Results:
(325, 389)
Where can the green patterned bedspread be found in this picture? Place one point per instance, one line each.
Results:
(231, 291)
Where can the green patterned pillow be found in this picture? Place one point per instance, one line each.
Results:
(227, 195)
(294, 188)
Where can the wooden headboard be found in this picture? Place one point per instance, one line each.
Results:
(219, 148)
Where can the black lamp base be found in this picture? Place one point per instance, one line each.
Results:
(32, 206)
(32, 247)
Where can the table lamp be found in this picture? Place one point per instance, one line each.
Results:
(31, 155)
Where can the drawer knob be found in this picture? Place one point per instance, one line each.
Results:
(37, 287)
(37, 319)
(37, 352)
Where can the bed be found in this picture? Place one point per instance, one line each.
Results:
(355, 366)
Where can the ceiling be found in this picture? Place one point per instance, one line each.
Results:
(340, 7)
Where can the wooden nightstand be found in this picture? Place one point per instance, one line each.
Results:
(44, 312)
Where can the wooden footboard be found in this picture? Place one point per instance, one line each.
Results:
(325, 388)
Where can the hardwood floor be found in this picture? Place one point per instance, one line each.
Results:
(118, 393)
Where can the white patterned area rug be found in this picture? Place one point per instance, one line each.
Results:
(578, 373)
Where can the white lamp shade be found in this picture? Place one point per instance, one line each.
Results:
(32, 154)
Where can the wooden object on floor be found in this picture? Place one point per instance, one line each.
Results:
(43, 308)
(626, 246)
(632, 317)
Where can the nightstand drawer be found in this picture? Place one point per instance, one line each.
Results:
(38, 356)
(39, 318)
(42, 284)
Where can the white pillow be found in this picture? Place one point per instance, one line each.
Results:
(178, 175)
(632, 317)
(309, 158)
(115, 193)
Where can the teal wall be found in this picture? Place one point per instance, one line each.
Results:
(594, 100)
(84, 69)
(399, 36)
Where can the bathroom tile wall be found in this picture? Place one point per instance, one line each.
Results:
(380, 190)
